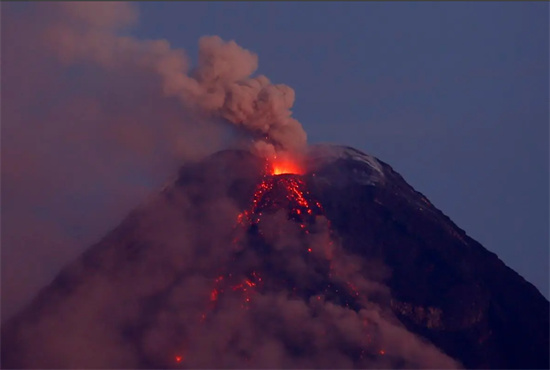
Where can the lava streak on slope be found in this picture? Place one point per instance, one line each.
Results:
(283, 188)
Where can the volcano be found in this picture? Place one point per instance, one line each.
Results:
(333, 263)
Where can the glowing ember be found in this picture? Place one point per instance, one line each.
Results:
(179, 358)
(214, 295)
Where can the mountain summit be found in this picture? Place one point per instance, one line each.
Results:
(341, 264)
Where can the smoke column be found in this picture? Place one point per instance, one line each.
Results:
(221, 85)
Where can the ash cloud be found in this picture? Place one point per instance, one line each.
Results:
(221, 85)
(93, 120)
(142, 297)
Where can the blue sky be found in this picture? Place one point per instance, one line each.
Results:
(453, 95)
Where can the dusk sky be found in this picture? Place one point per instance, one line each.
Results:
(453, 95)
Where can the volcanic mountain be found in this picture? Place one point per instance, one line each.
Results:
(333, 263)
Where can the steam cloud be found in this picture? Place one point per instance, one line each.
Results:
(137, 300)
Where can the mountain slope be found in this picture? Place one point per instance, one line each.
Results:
(343, 266)
(445, 285)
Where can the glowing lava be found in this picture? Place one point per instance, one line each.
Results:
(285, 165)
(282, 187)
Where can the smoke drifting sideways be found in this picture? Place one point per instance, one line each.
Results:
(220, 86)
(94, 119)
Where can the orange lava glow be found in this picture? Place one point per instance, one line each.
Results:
(280, 166)
(303, 209)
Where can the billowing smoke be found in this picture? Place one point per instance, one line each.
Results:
(220, 86)
(255, 104)
(84, 107)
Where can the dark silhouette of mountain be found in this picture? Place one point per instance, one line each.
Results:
(423, 284)
(445, 286)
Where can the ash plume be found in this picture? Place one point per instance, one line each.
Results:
(221, 85)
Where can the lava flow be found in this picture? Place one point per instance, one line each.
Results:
(282, 187)
(282, 177)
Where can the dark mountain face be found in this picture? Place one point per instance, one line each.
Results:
(343, 266)
(445, 286)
